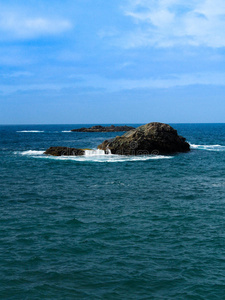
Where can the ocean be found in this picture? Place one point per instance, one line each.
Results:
(107, 226)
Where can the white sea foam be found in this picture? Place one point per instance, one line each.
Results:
(34, 131)
(97, 152)
(94, 156)
(67, 131)
(31, 153)
(208, 147)
(110, 158)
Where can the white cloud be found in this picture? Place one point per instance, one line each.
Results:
(20, 25)
(165, 23)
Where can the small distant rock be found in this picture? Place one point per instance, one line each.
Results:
(64, 151)
(99, 128)
(152, 138)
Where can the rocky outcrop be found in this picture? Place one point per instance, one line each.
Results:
(152, 138)
(99, 128)
(64, 151)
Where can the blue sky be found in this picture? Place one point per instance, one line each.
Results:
(127, 61)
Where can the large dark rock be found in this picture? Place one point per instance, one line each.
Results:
(64, 151)
(99, 128)
(152, 138)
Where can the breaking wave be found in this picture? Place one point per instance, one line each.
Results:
(94, 156)
(30, 153)
(208, 147)
(30, 131)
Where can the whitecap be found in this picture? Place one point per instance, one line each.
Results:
(31, 131)
(31, 152)
(208, 147)
(109, 158)
(94, 156)
(67, 131)
(96, 152)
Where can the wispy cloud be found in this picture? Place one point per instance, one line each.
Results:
(166, 23)
(22, 25)
(98, 83)
(171, 81)
(16, 74)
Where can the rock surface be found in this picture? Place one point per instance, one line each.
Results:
(152, 138)
(59, 151)
(100, 128)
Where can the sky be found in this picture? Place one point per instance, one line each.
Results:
(108, 62)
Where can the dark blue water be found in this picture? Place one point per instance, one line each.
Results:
(111, 227)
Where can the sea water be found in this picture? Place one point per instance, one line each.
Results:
(108, 226)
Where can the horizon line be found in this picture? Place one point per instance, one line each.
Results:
(48, 124)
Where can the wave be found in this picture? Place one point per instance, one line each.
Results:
(94, 156)
(109, 158)
(36, 131)
(208, 147)
(96, 152)
(30, 153)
